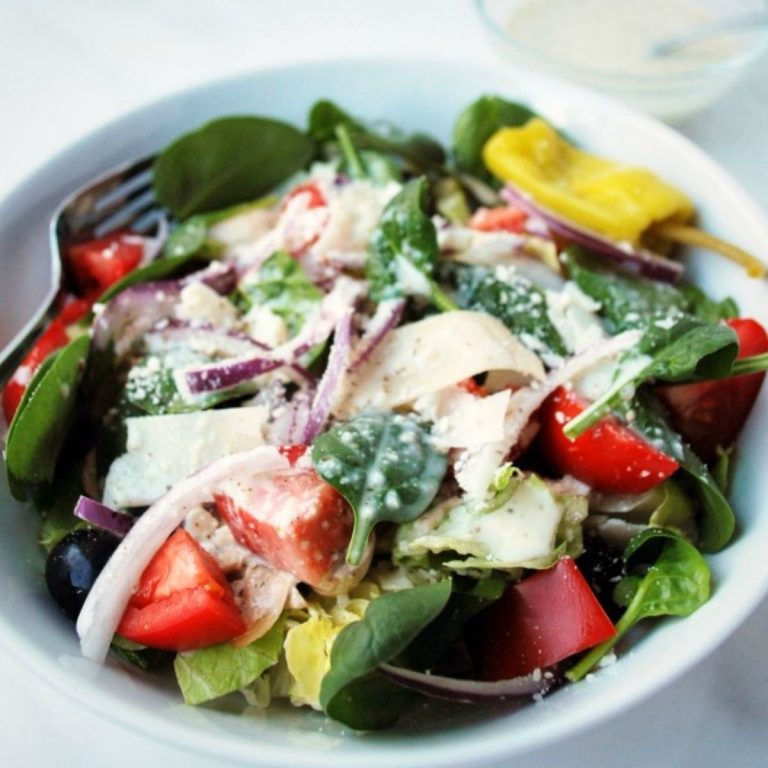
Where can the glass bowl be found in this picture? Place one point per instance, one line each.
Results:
(602, 44)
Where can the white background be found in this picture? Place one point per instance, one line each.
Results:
(66, 67)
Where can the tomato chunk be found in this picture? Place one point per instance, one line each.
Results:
(711, 414)
(609, 456)
(538, 622)
(183, 600)
(185, 621)
(97, 264)
(310, 188)
(296, 522)
(498, 220)
(54, 337)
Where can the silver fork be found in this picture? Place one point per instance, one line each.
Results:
(121, 198)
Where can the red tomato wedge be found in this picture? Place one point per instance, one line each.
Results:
(97, 264)
(609, 456)
(296, 522)
(498, 220)
(538, 622)
(54, 337)
(711, 414)
(183, 600)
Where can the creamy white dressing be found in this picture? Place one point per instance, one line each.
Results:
(617, 36)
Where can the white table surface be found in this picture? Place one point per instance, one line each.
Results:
(69, 66)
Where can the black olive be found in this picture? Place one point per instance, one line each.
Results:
(73, 565)
(602, 566)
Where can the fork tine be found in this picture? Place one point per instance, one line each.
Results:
(125, 189)
(119, 217)
(149, 222)
(89, 206)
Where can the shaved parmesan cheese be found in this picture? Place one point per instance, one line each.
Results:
(462, 420)
(201, 304)
(431, 354)
(244, 227)
(161, 450)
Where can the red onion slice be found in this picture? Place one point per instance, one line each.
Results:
(133, 312)
(384, 320)
(338, 361)
(217, 376)
(638, 260)
(469, 690)
(102, 516)
(139, 308)
(218, 276)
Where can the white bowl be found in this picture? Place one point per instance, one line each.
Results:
(416, 95)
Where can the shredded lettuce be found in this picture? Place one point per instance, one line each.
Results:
(220, 669)
(308, 644)
(523, 525)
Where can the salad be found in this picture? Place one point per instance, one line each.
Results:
(370, 419)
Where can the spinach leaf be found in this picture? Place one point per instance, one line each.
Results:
(56, 503)
(44, 417)
(282, 285)
(660, 310)
(228, 161)
(385, 467)
(352, 692)
(695, 352)
(468, 598)
(365, 164)
(419, 151)
(716, 521)
(666, 576)
(706, 309)
(477, 123)
(220, 669)
(517, 302)
(403, 251)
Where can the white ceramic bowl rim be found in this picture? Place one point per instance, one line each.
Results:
(479, 743)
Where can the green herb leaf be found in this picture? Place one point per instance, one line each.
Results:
(220, 669)
(477, 123)
(385, 467)
(352, 692)
(419, 151)
(403, 251)
(518, 303)
(228, 161)
(666, 576)
(282, 285)
(44, 416)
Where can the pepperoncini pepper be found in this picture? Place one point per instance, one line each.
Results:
(617, 201)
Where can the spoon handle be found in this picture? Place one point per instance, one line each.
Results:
(711, 29)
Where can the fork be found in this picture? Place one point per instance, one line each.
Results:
(121, 198)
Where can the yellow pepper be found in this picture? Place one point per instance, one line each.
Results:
(614, 200)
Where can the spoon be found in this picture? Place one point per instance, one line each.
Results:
(712, 29)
